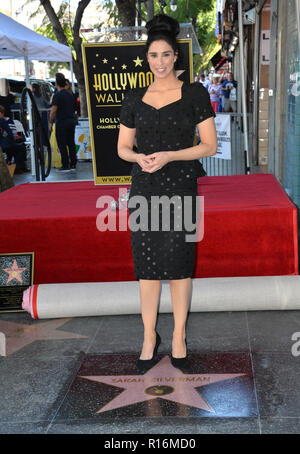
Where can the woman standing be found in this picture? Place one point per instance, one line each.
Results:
(215, 93)
(163, 117)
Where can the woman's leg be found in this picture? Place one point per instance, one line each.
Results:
(149, 296)
(180, 293)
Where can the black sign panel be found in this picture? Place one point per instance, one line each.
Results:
(16, 275)
(110, 70)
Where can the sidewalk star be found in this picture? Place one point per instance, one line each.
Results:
(162, 381)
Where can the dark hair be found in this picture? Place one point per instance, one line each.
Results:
(60, 79)
(2, 110)
(36, 90)
(163, 27)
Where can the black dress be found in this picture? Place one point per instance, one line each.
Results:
(160, 248)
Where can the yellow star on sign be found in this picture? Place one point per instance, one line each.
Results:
(105, 60)
(138, 61)
(124, 66)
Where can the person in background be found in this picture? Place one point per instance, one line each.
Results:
(208, 82)
(220, 93)
(9, 146)
(68, 87)
(40, 100)
(76, 96)
(63, 111)
(42, 104)
(7, 98)
(215, 93)
(231, 100)
(202, 79)
(225, 93)
(220, 108)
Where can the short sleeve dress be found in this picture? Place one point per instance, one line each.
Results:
(162, 205)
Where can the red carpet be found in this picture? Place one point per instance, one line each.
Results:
(250, 229)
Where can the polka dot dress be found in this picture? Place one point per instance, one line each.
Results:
(163, 205)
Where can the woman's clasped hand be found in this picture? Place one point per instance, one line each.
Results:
(153, 162)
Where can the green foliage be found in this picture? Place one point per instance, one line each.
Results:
(65, 17)
(111, 10)
(47, 30)
(202, 14)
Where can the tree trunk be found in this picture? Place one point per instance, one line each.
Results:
(78, 64)
(79, 74)
(61, 38)
(127, 11)
(150, 9)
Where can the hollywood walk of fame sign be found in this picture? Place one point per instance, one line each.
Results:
(162, 391)
(16, 275)
(110, 70)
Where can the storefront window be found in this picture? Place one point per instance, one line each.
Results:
(291, 114)
(264, 75)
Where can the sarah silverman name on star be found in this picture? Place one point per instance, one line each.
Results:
(161, 379)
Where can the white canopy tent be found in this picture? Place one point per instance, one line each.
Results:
(18, 41)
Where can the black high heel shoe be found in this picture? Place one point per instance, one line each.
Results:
(180, 363)
(143, 365)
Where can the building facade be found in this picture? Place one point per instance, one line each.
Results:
(271, 30)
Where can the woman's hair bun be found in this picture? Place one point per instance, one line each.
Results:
(163, 23)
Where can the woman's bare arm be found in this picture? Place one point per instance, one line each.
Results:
(126, 141)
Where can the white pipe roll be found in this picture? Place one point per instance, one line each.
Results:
(2, 344)
(208, 295)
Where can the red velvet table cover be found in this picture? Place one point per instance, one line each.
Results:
(250, 229)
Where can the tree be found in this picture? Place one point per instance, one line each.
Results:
(201, 13)
(65, 17)
(126, 9)
(62, 38)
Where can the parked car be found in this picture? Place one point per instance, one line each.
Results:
(52, 81)
(17, 85)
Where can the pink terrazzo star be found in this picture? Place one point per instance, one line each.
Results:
(14, 272)
(162, 381)
(19, 335)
